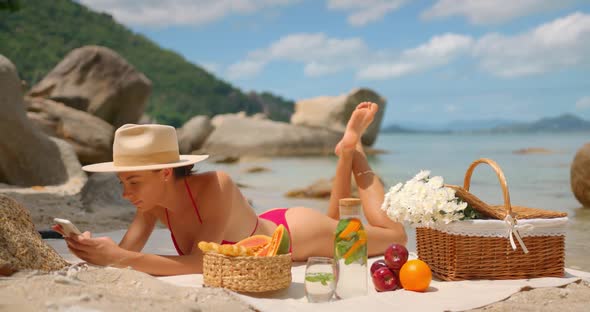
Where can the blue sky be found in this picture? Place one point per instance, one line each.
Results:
(433, 60)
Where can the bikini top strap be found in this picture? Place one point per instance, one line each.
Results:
(172, 235)
(190, 194)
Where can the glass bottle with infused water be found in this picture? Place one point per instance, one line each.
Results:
(350, 250)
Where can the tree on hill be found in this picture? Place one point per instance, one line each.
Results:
(41, 33)
(9, 5)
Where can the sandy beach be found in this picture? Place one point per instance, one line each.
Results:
(81, 288)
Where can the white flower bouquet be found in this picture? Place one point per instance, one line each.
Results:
(425, 201)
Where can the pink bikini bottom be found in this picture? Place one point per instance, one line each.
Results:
(277, 216)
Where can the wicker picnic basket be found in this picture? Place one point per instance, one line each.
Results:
(489, 249)
(247, 273)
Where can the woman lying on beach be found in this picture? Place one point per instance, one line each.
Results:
(209, 206)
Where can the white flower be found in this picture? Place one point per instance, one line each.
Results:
(436, 182)
(396, 188)
(423, 200)
(421, 175)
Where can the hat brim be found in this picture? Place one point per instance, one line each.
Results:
(184, 160)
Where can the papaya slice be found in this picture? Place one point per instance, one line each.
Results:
(262, 252)
(254, 241)
(280, 242)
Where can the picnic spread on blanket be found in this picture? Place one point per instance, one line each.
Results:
(464, 246)
(459, 237)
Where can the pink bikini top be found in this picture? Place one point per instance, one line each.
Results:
(190, 194)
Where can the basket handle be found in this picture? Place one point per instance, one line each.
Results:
(499, 174)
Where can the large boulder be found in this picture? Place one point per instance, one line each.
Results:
(237, 135)
(105, 190)
(21, 246)
(27, 156)
(91, 137)
(580, 175)
(193, 134)
(321, 189)
(333, 112)
(97, 80)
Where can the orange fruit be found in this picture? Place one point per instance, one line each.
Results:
(415, 275)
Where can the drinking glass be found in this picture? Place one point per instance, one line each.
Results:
(320, 279)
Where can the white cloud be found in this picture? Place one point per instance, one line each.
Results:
(583, 103)
(179, 12)
(491, 11)
(211, 67)
(562, 43)
(556, 45)
(440, 50)
(319, 54)
(366, 11)
(244, 69)
(322, 56)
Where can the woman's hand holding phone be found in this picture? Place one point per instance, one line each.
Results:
(100, 250)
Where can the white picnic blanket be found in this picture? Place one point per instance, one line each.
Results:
(442, 296)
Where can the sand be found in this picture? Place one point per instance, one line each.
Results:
(83, 288)
(572, 297)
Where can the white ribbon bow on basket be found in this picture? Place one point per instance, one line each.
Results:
(514, 231)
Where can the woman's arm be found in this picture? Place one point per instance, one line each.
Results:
(162, 265)
(175, 265)
(138, 232)
(103, 251)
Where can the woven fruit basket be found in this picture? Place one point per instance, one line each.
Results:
(247, 273)
(515, 243)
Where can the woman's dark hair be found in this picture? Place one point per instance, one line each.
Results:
(184, 171)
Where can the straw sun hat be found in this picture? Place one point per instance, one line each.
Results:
(145, 147)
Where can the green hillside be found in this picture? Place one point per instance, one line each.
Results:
(38, 35)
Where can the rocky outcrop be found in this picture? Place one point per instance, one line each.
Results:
(27, 156)
(532, 150)
(238, 136)
(146, 119)
(580, 175)
(219, 119)
(105, 190)
(21, 246)
(97, 80)
(90, 136)
(321, 189)
(333, 112)
(193, 134)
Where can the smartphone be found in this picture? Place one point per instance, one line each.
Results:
(67, 226)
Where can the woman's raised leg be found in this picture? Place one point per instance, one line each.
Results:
(341, 183)
(360, 119)
(312, 232)
(370, 187)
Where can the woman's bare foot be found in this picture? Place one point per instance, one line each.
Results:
(359, 121)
